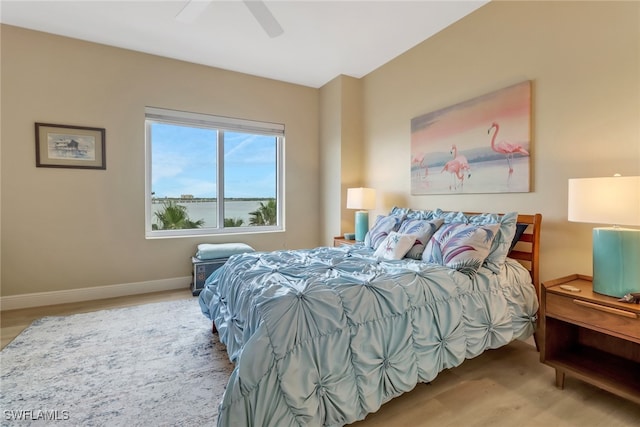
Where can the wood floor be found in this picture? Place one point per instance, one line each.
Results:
(507, 387)
(501, 388)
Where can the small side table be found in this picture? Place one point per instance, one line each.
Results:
(590, 336)
(340, 241)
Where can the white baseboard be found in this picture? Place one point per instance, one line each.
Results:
(39, 299)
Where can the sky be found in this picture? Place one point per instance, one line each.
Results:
(184, 162)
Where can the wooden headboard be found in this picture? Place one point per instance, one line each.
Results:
(527, 250)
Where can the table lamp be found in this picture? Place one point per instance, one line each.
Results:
(616, 250)
(361, 199)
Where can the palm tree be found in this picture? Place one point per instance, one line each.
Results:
(266, 214)
(175, 217)
(233, 222)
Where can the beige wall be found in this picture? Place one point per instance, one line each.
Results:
(584, 61)
(330, 156)
(341, 152)
(67, 229)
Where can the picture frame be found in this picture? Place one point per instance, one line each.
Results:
(67, 146)
(482, 145)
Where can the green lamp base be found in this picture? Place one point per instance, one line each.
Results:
(616, 261)
(362, 225)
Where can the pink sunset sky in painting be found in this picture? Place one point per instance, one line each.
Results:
(509, 107)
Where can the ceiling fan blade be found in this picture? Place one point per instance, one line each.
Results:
(264, 17)
(192, 10)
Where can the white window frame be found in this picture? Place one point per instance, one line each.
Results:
(221, 124)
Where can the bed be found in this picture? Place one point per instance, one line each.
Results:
(324, 336)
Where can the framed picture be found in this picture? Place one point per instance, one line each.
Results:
(482, 145)
(62, 146)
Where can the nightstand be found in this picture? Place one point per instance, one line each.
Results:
(590, 336)
(340, 241)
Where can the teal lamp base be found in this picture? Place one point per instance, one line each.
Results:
(616, 261)
(362, 225)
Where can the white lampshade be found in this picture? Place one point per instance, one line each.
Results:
(610, 200)
(361, 198)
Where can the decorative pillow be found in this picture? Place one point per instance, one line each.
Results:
(504, 236)
(381, 229)
(450, 217)
(520, 228)
(395, 245)
(423, 230)
(420, 214)
(396, 210)
(502, 242)
(412, 214)
(461, 246)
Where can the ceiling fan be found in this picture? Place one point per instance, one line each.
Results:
(258, 9)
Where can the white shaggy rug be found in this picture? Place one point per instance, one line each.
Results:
(155, 364)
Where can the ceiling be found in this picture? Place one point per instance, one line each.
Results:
(322, 39)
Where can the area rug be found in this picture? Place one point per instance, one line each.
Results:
(155, 364)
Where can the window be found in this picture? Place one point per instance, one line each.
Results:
(211, 175)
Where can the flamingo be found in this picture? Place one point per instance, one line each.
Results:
(418, 163)
(505, 147)
(458, 166)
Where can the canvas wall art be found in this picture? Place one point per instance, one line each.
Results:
(482, 145)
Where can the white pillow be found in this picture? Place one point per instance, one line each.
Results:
(395, 245)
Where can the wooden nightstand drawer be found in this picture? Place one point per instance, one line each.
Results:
(594, 315)
(341, 241)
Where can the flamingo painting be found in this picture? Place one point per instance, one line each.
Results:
(500, 156)
(505, 147)
(457, 167)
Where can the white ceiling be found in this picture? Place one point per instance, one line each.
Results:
(322, 39)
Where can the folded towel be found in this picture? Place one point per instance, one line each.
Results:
(221, 250)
